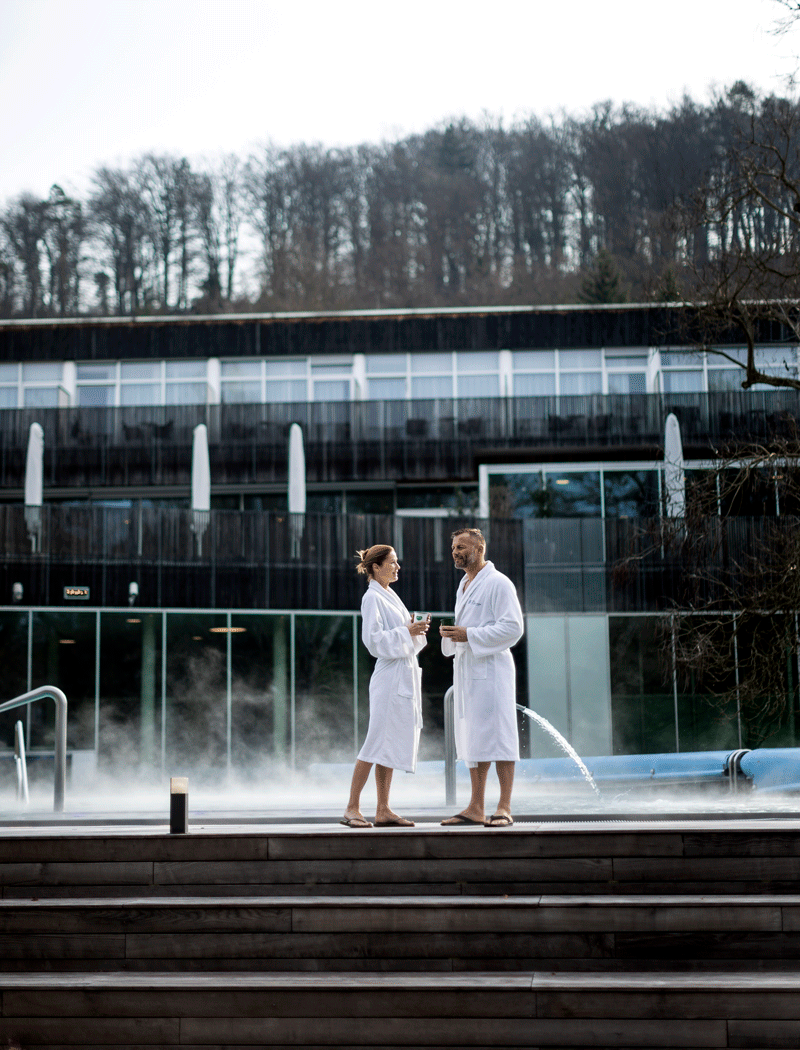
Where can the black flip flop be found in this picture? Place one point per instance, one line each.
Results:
(505, 821)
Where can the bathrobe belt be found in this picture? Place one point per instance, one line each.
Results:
(460, 670)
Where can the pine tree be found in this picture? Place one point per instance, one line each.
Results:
(604, 283)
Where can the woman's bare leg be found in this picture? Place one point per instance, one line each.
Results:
(383, 783)
(360, 776)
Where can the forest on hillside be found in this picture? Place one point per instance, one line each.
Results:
(569, 209)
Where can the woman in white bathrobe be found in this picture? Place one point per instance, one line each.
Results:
(395, 689)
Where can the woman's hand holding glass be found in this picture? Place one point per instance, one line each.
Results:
(419, 624)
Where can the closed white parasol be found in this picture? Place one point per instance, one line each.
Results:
(34, 472)
(674, 476)
(201, 484)
(297, 487)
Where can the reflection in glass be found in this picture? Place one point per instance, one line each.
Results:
(432, 386)
(477, 360)
(479, 386)
(95, 395)
(627, 383)
(683, 382)
(542, 385)
(287, 390)
(196, 690)
(324, 689)
(14, 661)
(96, 372)
(185, 394)
(41, 397)
(370, 503)
(260, 692)
(41, 372)
(332, 370)
(704, 724)
(672, 358)
(749, 494)
(440, 362)
(525, 359)
(324, 503)
(574, 495)
(720, 379)
(387, 389)
(631, 493)
(63, 655)
(385, 363)
(139, 370)
(580, 358)
(518, 496)
(130, 689)
(642, 703)
(331, 389)
(241, 393)
(240, 369)
(140, 394)
(464, 500)
(574, 383)
(564, 495)
(185, 369)
(286, 368)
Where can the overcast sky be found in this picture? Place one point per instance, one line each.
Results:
(90, 82)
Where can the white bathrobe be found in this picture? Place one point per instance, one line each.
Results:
(484, 676)
(395, 689)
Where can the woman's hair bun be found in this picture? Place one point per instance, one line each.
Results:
(371, 557)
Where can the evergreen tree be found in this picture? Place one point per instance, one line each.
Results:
(603, 284)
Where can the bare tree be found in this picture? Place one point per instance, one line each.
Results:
(729, 573)
(743, 284)
(63, 244)
(25, 224)
(120, 223)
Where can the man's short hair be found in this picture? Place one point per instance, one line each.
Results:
(474, 534)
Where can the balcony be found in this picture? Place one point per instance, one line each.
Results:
(373, 440)
(261, 560)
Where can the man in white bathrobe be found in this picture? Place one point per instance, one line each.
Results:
(488, 621)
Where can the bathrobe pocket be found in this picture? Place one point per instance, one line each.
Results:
(479, 666)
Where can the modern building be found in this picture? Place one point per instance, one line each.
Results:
(229, 630)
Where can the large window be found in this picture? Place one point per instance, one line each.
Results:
(570, 491)
(128, 383)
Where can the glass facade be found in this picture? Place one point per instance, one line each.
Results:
(236, 692)
(418, 374)
(572, 492)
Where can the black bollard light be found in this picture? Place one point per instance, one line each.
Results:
(178, 805)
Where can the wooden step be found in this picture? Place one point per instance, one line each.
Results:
(534, 1009)
(402, 933)
(718, 857)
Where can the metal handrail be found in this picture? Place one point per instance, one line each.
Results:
(60, 751)
(20, 763)
(733, 767)
(449, 749)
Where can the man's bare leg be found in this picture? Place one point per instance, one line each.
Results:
(475, 810)
(353, 810)
(383, 813)
(505, 774)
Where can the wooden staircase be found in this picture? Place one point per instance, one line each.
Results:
(618, 933)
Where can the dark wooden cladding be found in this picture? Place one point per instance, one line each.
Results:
(275, 336)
